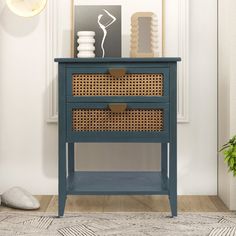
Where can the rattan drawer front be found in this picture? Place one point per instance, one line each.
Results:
(128, 85)
(91, 120)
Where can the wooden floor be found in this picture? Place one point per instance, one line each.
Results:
(130, 204)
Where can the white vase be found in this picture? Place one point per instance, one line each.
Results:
(86, 42)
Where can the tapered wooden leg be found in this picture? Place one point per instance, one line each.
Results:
(71, 158)
(173, 179)
(61, 205)
(62, 179)
(164, 159)
(62, 142)
(173, 141)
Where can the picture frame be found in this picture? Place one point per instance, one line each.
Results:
(126, 14)
(105, 22)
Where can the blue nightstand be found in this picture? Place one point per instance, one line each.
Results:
(118, 100)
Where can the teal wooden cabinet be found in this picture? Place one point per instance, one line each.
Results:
(117, 100)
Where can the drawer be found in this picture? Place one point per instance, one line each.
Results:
(117, 84)
(117, 121)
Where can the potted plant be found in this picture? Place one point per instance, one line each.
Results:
(229, 152)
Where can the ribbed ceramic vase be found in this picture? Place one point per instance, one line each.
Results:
(86, 42)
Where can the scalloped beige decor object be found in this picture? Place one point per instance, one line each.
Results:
(144, 35)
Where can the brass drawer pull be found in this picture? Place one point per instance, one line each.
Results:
(117, 72)
(118, 107)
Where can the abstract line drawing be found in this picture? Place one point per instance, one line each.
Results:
(104, 28)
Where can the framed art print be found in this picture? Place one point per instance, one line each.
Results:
(105, 21)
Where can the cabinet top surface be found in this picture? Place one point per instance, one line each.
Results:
(116, 59)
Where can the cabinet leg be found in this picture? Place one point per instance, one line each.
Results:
(62, 179)
(61, 205)
(173, 205)
(71, 158)
(164, 159)
(173, 178)
(173, 140)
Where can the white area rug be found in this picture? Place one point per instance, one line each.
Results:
(135, 224)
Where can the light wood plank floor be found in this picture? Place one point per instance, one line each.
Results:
(130, 204)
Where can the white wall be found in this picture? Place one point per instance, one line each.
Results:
(227, 95)
(28, 145)
(198, 139)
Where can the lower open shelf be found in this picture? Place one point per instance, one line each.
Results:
(117, 183)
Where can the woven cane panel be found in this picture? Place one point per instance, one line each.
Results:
(128, 85)
(105, 120)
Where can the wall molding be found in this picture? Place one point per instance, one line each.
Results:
(52, 51)
(183, 67)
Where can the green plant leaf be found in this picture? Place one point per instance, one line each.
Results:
(226, 152)
(227, 159)
(223, 148)
(226, 144)
(233, 139)
(229, 152)
(231, 162)
(233, 154)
